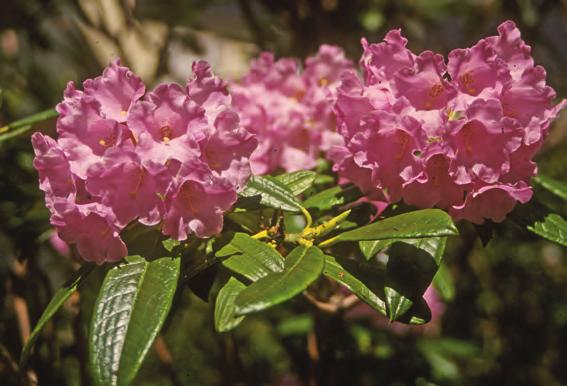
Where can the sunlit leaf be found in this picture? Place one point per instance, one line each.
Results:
(132, 305)
(298, 182)
(250, 258)
(303, 266)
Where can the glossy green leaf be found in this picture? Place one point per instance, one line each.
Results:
(418, 224)
(326, 199)
(552, 227)
(397, 304)
(298, 182)
(54, 305)
(558, 188)
(24, 125)
(272, 193)
(224, 315)
(363, 279)
(435, 246)
(250, 258)
(303, 266)
(131, 307)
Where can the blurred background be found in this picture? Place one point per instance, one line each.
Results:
(500, 318)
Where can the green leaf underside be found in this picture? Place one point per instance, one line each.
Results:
(54, 305)
(298, 182)
(250, 258)
(272, 193)
(397, 304)
(417, 224)
(435, 246)
(225, 318)
(364, 280)
(553, 227)
(132, 305)
(556, 187)
(303, 266)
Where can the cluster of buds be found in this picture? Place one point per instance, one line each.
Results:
(175, 156)
(459, 135)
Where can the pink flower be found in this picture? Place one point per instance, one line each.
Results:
(465, 132)
(175, 156)
(290, 111)
(92, 228)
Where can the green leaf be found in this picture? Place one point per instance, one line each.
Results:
(418, 224)
(298, 182)
(54, 305)
(397, 304)
(272, 193)
(443, 282)
(131, 307)
(24, 125)
(303, 266)
(556, 187)
(363, 279)
(225, 318)
(250, 258)
(435, 246)
(552, 227)
(325, 199)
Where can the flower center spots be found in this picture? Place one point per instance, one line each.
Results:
(467, 138)
(467, 80)
(323, 82)
(402, 139)
(298, 96)
(123, 113)
(108, 141)
(435, 90)
(165, 132)
(141, 175)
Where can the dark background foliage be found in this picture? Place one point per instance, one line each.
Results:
(505, 323)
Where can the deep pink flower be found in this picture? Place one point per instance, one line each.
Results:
(475, 125)
(131, 190)
(92, 228)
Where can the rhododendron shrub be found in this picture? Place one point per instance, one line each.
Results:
(174, 156)
(206, 186)
(457, 134)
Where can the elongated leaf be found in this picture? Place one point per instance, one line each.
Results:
(272, 193)
(444, 284)
(303, 266)
(556, 187)
(435, 246)
(418, 224)
(24, 125)
(552, 227)
(225, 318)
(326, 199)
(250, 258)
(54, 305)
(364, 280)
(132, 305)
(298, 182)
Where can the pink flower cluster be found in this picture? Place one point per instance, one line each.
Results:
(289, 110)
(458, 135)
(175, 156)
